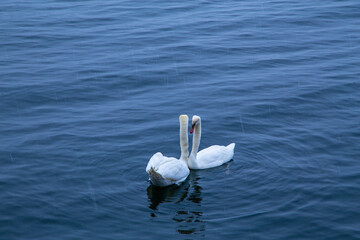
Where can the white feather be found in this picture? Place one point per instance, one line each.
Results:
(214, 156)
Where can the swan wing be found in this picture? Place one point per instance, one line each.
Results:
(164, 171)
(215, 155)
(175, 170)
(156, 161)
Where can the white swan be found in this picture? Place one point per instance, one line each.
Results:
(210, 157)
(164, 171)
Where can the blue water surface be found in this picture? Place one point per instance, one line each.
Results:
(90, 90)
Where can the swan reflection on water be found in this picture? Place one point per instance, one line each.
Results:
(187, 198)
(172, 193)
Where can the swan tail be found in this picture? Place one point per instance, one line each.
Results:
(156, 178)
(231, 146)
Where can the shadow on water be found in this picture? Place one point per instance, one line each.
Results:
(172, 193)
(187, 197)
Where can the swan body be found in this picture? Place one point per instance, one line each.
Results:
(164, 171)
(210, 157)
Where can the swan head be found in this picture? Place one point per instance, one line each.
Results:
(183, 118)
(195, 121)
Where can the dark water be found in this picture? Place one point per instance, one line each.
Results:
(90, 90)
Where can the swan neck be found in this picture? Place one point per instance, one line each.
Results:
(184, 142)
(196, 140)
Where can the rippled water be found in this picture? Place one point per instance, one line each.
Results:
(90, 90)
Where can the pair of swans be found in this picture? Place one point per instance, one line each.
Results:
(164, 171)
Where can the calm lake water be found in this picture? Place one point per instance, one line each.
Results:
(90, 90)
